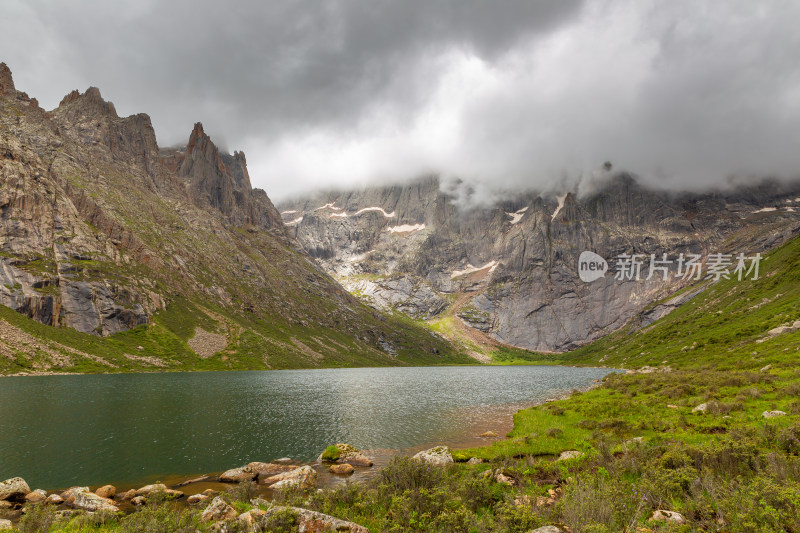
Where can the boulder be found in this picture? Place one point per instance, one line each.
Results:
(237, 475)
(36, 496)
(69, 494)
(127, 495)
(702, 408)
(54, 499)
(106, 491)
(265, 470)
(343, 470)
(502, 477)
(548, 529)
(303, 477)
(150, 489)
(89, 501)
(283, 461)
(661, 515)
(310, 521)
(440, 455)
(5, 524)
(14, 489)
(196, 498)
(488, 434)
(351, 455)
(252, 520)
(218, 510)
(474, 461)
(772, 414)
(5, 504)
(569, 454)
(138, 501)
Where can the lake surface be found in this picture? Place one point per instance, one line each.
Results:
(59, 431)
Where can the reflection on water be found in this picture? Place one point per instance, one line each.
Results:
(57, 431)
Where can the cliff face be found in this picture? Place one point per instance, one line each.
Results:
(510, 270)
(101, 230)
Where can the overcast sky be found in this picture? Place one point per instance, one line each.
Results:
(503, 94)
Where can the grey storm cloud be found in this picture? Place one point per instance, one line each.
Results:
(501, 94)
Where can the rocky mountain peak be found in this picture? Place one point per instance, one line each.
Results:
(90, 103)
(6, 81)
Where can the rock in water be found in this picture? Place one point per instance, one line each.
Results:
(237, 475)
(106, 491)
(440, 455)
(303, 477)
(343, 470)
(351, 455)
(217, 510)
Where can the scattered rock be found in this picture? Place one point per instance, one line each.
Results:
(502, 477)
(14, 488)
(343, 470)
(440, 455)
(150, 489)
(474, 461)
(303, 477)
(252, 520)
(217, 510)
(138, 501)
(668, 516)
(548, 529)
(36, 496)
(127, 495)
(54, 499)
(237, 475)
(488, 434)
(772, 414)
(671, 406)
(569, 454)
(197, 498)
(702, 408)
(69, 494)
(89, 501)
(766, 368)
(351, 455)
(310, 521)
(106, 491)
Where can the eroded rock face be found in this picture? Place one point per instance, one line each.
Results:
(511, 268)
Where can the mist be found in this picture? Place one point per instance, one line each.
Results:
(500, 95)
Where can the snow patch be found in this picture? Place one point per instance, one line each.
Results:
(405, 228)
(561, 200)
(516, 216)
(295, 221)
(387, 215)
(790, 209)
(289, 212)
(491, 265)
(339, 215)
(766, 210)
(329, 206)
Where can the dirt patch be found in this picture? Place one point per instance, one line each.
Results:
(307, 351)
(146, 359)
(206, 344)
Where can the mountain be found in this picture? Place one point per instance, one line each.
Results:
(507, 272)
(117, 254)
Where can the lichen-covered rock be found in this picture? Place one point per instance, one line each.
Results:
(773, 414)
(439, 455)
(89, 501)
(351, 455)
(304, 477)
(312, 521)
(36, 496)
(218, 510)
(661, 515)
(14, 488)
(237, 475)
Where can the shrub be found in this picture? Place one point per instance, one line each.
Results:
(38, 518)
(404, 473)
(555, 432)
(331, 453)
